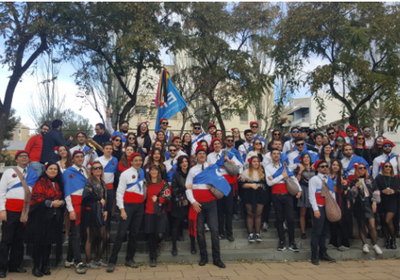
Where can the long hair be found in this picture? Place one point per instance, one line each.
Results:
(208, 148)
(124, 158)
(375, 149)
(280, 134)
(91, 175)
(58, 179)
(240, 137)
(139, 133)
(336, 145)
(180, 161)
(259, 170)
(391, 173)
(153, 147)
(68, 162)
(322, 155)
(148, 176)
(357, 174)
(261, 149)
(150, 161)
(339, 173)
(165, 137)
(127, 136)
(222, 138)
(302, 159)
(183, 139)
(363, 144)
(120, 146)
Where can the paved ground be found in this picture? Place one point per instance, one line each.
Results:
(371, 269)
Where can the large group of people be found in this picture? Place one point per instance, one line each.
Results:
(59, 194)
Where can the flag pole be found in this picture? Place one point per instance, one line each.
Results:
(191, 113)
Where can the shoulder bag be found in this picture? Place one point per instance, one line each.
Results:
(332, 209)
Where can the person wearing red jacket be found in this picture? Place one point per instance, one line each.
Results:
(34, 148)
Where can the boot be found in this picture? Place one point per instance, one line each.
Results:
(393, 245)
(36, 272)
(314, 258)
(193, 250)
(388, 244)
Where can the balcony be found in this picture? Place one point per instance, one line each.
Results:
(302, 122)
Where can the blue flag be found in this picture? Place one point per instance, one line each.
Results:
(174, 104)
(212, 175)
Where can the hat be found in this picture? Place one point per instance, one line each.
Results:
(162, 119)
(351, 127)
(251, 123)
(317, 163)
(80, 132)
(133, 156)
(212, 125)
(200, 148)
(21, 152)
(78, 152)
(212, 143)
(387, 141)
(174, 138)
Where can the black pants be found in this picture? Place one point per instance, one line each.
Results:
(225, 213)
(396, 219)
(319, 232)
(176, 228)
(208, 213)
(109, 206)
(283, 205)
(135, 212)
(153, 241)
(74, 244)
(344, 230)
(12, 243)
(267, 206)
(41, 256)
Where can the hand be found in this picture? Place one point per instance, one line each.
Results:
(298, 195)
(108, 112)
(57, 203)
(72, 216)
(197, 207)
(348, 204)
(374, 207)
(270, 178)
(254, 186)
(370, 168)
(154, 198)
(105, 215)
(70, 138)
(302, 168)
(284, 174)
(102, 202)
(226, 158)
(317, 214)
(190, 186)
(123, 214)
(358, 185)
(3, 216)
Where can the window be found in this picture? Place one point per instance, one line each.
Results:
(141, 111)
(244, 117)
(390, 129)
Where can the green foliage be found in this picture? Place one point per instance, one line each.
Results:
(11, 123)
(359, 43)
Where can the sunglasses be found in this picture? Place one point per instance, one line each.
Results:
(387, 146)
(131, 138)
(301, 144)
(277, 134)
(97, 168)
(117, 140)
(196, 128)
(360, 138)
(230, 141)
(257, 143)
(388, 166)
(379, 140)
(172, 150)
(331, 133)
(236, 131)
(339, 140)
(323, 166)
(367, 130)
(295, 131)
(350, 130)
(125, 125)
(164, 123)
(362, 167)
(254, 126)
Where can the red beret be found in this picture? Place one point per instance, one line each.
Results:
(78, 152)
(80, 132)
(21, 152)
(387, 141)
(200, 148)
(211, 125)
(351, 127)
(134, 155)
(174, 138)
(251, 123)
(212, 143)
(162, 119)
(317, 163)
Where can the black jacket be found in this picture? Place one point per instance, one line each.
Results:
(52, 139)
(101, 140)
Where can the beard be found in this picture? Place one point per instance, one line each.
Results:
(124, 130)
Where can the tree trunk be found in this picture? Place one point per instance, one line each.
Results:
(217, 113)
(353, 119)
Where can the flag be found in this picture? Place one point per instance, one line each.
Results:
(212, 175)
(168, 99)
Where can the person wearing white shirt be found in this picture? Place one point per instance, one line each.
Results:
(164, 128)
(124, 127)
(245, 148)
(282, 200)
(73, 198)
(369, 140)
(321, 223)
(225, 204)
(197, 136)
(351, 133)
(12, 200)
(299, 143)
(90, 154)
(289, 144)
(386, 155)
(130, 201)
(203, 209)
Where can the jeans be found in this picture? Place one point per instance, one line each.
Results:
(208, 213)
(74, 244)
(319, 232)
(225, 213)
(37, 166)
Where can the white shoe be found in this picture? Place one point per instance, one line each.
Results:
(68, 264)
(365, 248)
(377, 249)
(264, 226)
(206, 228)
(284, 226)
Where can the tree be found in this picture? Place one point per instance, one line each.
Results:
(127, 37)
(11, 123)
(359, 47)
(222, 71)
(29, 29)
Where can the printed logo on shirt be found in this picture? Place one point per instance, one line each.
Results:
(133, 176)
(14, 175)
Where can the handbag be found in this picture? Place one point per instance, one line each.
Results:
(27, 197)
(230, 167)
(216, 192)
(291, 184)
(332, 209)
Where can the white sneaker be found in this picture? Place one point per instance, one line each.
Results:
(264, 226)
(365, 248)
(206, 228)
(284, 226)
(68, 264)
(377, 249)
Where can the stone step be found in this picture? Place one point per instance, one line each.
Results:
(249, 254)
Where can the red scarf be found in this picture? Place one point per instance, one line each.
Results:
(44, 190)
(200, 196)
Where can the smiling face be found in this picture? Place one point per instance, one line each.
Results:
(328, 149)
(335, 166)
(156, 155)
(52, 171)
(184, 165)
(137, 162)
(62, 152)
(255, 163)
(306, 159)
(117, 141)
(128, 151)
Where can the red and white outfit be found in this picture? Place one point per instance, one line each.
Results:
(129, 190)
(214, 157)
(314, 191)
(110, 168)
